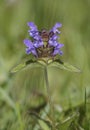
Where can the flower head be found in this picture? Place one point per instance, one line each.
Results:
(44, 43)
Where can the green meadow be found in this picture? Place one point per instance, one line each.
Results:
(24, 96)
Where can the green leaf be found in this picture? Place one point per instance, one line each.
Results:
(65, 66)
(23, 65)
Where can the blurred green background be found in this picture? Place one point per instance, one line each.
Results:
(17, 92)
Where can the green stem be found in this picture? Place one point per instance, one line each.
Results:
(49, 96)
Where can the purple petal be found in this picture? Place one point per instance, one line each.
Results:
(33, 33)
(32, 25)
(34, 52)
(31, 50)
(37, 37)
(59, 45)
(38, 43)
(28, 51)
(54, 37)
(53, 43)
(57, 25)
(30, 47)
(27, 42)
(57, 51)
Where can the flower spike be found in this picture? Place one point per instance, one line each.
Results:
(44, 43)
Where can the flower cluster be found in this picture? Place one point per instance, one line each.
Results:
(44, 43)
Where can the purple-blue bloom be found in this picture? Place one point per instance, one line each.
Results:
(30, 47)
(57, 49)
(33, 32)
(53, 40)
(32, 26)
(55, 28)
(44, 43)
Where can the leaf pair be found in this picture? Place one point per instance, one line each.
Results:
(45, 62)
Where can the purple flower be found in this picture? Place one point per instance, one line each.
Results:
(55, 28)
(57, 49)
(32, 26)
(38, 43)
(44, 43)
(53, 40)
(30, 47)
(34, 33)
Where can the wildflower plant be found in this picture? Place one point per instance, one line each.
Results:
(46, 50)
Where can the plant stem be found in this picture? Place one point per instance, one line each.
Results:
(49, 96)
